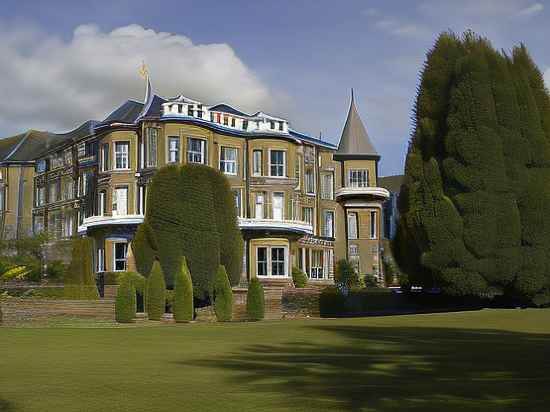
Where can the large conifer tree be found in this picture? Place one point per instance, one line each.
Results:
(475, 212)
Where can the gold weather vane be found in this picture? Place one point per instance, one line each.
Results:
(143, 71)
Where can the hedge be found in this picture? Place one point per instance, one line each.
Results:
(191, 212)
(182, 307)
(255, 300)
(80, 279)
(299, 278)
(125, 303)
(156, 293)
(223, 296)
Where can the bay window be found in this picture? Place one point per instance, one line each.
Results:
(277, 163)
(358, 178)
(122, 152)
(228, 160)
(196, 150)
(271, 261)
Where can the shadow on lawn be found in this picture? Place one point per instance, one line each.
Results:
(400, 369)
(6, 406)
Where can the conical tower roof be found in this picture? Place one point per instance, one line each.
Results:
(355, 140)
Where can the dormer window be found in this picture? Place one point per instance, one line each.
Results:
(225, 120)
(245, 124)
(199, 111)
(281, 126)
(180, 108)
(190, 110)
(232, 122)
(272, 124)
(211, 116)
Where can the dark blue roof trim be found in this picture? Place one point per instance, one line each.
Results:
(312, 140)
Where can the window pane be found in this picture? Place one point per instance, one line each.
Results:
(174, 149)
(152, 136)
(261, 259)
(277, 261)
(277, 161)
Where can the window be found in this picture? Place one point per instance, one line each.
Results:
(373, 225)
(40, 196)
(257, 163)
(309, 154)
(68, 157)
(67, 188)
(298, 171)
(1, 199)
(232, 122)
(354, 258)
(199, 111)
(278, 204)
(358, 178)
(316, 264)
(245, 124)
(119, 254)
(173, 149)
(84, 181)
(104, 157)
(120, 201)
(281, 126)
(261, 260)
(68, 225)
(101, 203)
(225, 120)
(352, 226)
(238, 201)
(328, 223)
(259, 206)
(228, 160)
(190, 110)
(41, 166)
(353, 250)
(307, 215)
(141, 199)
(152, 137)
(310, 181)
(271, 124)
(54, 191)
(327, 186)
(38, 224)
(196, 150)
(277, 163)
(101, 260)
(122, 150)
(277, 261)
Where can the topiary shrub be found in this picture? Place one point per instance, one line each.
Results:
(80, 279)
(125, 303)
(299, 278)
(144, 246)
(346, 276)
(223, 296)
(156, 293)
(255, 300)
(182, 307)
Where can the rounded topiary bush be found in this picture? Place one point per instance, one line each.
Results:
(156, 293)
(299, 278)
(125, 304)
(223, 296)
(255, 300)
(182, 307)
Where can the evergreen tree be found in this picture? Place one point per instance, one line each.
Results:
(182, 308)
(255, 300)
(156, 293)
(79, 282)
(125, 303)
(223, 296)
(191, 211)
(474, 210)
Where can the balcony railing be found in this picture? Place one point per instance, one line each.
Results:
(296, 226)
(378, 193)
(97, 221)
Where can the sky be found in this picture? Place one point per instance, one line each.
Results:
(63, 61)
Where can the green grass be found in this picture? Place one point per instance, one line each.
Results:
(492, 360)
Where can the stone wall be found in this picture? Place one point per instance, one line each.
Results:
(300, 303)
(16, 311)
(273, 297)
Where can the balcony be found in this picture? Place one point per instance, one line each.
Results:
(102, 221)
(270, 225)
(363, 193)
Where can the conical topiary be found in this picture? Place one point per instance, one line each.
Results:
(182, 308)
(255, 300)
(156, 292)
(223, 296)
(125, 304)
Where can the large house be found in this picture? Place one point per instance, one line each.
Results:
(301, 201)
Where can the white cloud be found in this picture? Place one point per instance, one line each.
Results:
(54, 84)
(531, 10)
(401, 28)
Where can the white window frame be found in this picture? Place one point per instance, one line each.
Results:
(104, 150)
(257, 164)
(270, 261)
(229, 167)
(115, 210)
(141, 198)
(101, 260)
(355, 178)
(173, 155)
(238, 194)
(102, 202)
(264, 262)
(259, 205)
(373, 227)
(310, 212)
(277, 165)
(326, 232)
(151, 161)
(309, 182)
(317, 264)
(273, 195)
(125, 155)
(353, 216)
(202, 153)
(327, 192)
(115, 258)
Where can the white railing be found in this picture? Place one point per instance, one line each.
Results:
(286, 225)
(95, 221)
(379, 192)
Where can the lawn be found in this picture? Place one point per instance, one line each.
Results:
(491, 360)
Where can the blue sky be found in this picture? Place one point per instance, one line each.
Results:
(297, 58)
